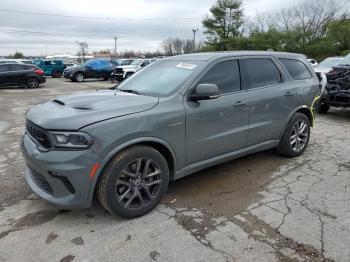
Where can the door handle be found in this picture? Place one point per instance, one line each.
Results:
(239, 103)
(289, 94)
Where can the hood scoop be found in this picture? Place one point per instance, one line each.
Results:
(58, 102)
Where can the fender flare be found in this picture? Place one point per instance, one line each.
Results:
(103, 162)
(303, 107)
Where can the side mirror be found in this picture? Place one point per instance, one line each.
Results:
(205, 92)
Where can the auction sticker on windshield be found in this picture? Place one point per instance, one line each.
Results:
(186, 66)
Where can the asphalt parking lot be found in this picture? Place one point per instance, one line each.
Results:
(258, 208)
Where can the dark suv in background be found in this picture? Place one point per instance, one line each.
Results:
(98, 68)
(16, 74)
(174, 117)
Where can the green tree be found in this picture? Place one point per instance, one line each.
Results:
(225, 24)
(339, 34)
(18, 55)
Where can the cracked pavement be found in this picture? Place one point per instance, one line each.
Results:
(258, 208)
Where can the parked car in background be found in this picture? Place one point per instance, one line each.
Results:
(313, 62)
(173, 118)
(327, 65)
(16, 74)
(52, 68)
(337, 91)
(324, 68)
(19, 61)
(97, 68)
(124, 71)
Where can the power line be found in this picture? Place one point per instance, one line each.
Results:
(55, 34)
(98, 18)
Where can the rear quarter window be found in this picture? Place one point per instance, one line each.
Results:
(262, 72)
(297, 69)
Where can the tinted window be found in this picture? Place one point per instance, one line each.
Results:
(225, 75)
(296, 69)
(262, 72)
(17, 67)
(4, 68)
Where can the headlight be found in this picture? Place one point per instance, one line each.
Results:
(74, 140)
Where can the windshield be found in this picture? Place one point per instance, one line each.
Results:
(345, 61)
(125, 62)
(160, 78)
(136, 62)
(330, 62)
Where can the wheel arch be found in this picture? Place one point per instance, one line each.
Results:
(302, 109)
(163, 147)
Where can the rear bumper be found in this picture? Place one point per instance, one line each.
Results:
(59, 177)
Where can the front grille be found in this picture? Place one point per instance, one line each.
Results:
(118, 70)
(41, 182)
(38, 133)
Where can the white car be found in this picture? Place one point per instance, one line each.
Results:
(122, 72)
(325, 67)
(313, 62)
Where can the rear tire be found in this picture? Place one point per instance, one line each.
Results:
(105, 78)
(79, 77)
(134, 182)
(296, 136)
(322, 108)
(32, 82)
(57, 74)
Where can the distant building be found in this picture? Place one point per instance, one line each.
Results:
(69, 58)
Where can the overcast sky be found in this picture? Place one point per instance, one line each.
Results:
(139, 24)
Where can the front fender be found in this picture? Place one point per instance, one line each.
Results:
(104, 160)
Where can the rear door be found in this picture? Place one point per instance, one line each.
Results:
(18, 73)
(271, 98)
(218, 126)
(4, 74)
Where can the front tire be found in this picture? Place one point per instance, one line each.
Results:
(322, 108)
(79, 77)
(134, 182)
(296, 136)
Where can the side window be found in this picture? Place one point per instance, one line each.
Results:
(4, 68)
(47, 63)
(225, 75)
(17, 67)
(145, 63)
(297, 69)
(262, 72)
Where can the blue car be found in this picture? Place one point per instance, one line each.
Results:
(97, 68)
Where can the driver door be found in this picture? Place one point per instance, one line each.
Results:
(218, 126)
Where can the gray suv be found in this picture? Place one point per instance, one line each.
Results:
(177, 116)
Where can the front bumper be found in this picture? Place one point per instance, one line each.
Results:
(60, 177)
(337, 98)
(67, 74)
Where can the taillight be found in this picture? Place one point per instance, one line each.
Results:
(38, 71)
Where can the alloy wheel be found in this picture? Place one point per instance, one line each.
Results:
(32, 82)
(299, 137)
(138, 184)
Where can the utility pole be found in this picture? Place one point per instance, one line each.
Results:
(194, 38)
(115, 46)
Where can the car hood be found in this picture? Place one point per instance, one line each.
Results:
(75, 111)
(127, 67)
(322, 69)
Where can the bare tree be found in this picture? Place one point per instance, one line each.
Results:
(167, 46)
(187, 46)
(177, 44)
(83, 46)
